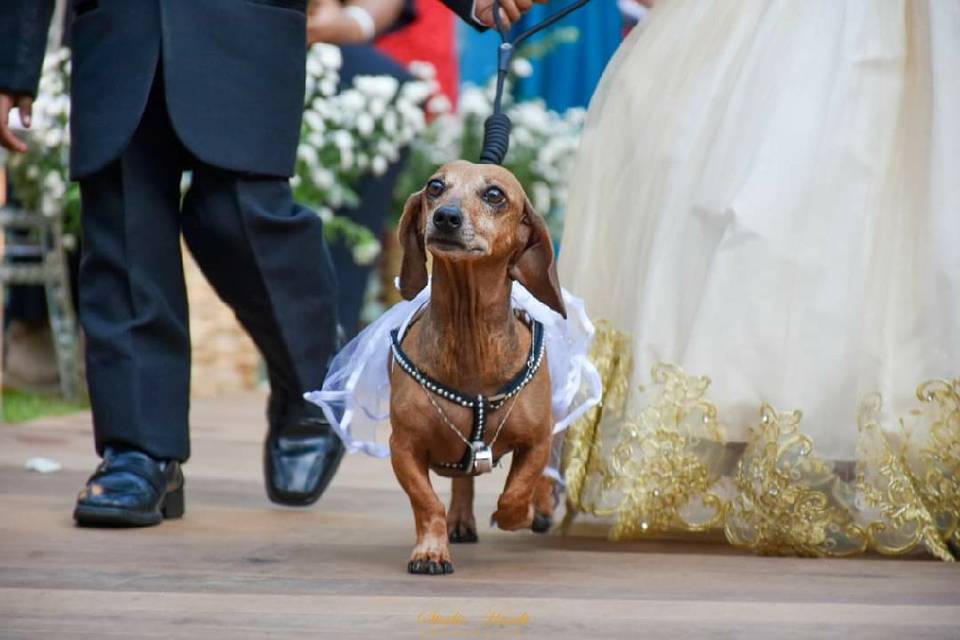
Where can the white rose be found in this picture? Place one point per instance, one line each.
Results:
(522, 68)
(377, 107)
(379, 165)
(412, 117)
(352, 100)
(384, 87)
(329, 55)
(365, 124)
(49, 206)
(415, 92)
(63, 106)
(322, 177)
(308, 154)
(313, 120)
(387, 149)
(53, 184)
(346, 158)
(335, 199)
(366, 252)
(439, 104)
(342, 139)
(473, 101)
(521, 137)
(315, 139)
(423, 70)
(52, 138)
(390, 123)
(328, 87)
(314, 65)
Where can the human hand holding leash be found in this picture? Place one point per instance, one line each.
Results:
(7, 102)
(511, 10)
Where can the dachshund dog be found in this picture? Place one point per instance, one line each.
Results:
(482, 234)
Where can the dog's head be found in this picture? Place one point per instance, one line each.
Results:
(473, 212)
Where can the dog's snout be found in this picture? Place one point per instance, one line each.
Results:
(447, 219)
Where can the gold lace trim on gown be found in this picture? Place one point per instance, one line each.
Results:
(670, 468)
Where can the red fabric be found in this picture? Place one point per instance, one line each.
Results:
(430, 38)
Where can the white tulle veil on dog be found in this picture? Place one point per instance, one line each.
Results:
(356, 392)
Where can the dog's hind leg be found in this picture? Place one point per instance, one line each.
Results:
(461, 525)
(431, 555)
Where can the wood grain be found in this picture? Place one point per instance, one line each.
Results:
(239, 567)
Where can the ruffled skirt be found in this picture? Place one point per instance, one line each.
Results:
(766, 213)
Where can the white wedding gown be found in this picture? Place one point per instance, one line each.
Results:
(768, 195)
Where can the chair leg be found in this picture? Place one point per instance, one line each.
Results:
(63, 328)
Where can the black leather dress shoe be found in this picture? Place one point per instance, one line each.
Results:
(301, 454)
(131, 489)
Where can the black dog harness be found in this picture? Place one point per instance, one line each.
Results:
(478, 458)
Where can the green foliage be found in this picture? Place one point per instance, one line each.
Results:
(19, 406)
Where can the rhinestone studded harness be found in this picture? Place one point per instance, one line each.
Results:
(478, 458)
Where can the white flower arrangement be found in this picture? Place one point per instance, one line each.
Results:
(40, 176)
(345, 136)
(350, 134)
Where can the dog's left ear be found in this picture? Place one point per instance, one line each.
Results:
(535, 267)
(413, 270)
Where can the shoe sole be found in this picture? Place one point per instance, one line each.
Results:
(114, 517)
(172, 507)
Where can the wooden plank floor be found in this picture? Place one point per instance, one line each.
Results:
(238, 567)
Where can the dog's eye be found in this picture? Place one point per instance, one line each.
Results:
(494, 196)
(435, 188)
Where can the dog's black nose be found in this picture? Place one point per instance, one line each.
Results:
(447, 219)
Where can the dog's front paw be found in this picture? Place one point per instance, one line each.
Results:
(430, 559)
(513, 518)
(430, 567)
(541, 522)
(545, 499)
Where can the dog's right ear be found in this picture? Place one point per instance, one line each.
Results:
(413, 270)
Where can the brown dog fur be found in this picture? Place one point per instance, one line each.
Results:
(469, 338)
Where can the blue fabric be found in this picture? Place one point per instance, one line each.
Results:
(478, 54)
(568, 75)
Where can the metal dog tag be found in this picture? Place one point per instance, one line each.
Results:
(482, 458)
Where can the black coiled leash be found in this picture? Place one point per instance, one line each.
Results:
(496, 129)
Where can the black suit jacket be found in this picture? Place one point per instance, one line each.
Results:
(233, 74)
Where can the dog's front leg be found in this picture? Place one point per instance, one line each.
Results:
(515, 506)
(461, 525)
(431, 555)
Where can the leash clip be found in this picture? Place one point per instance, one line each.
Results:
(482, 458)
